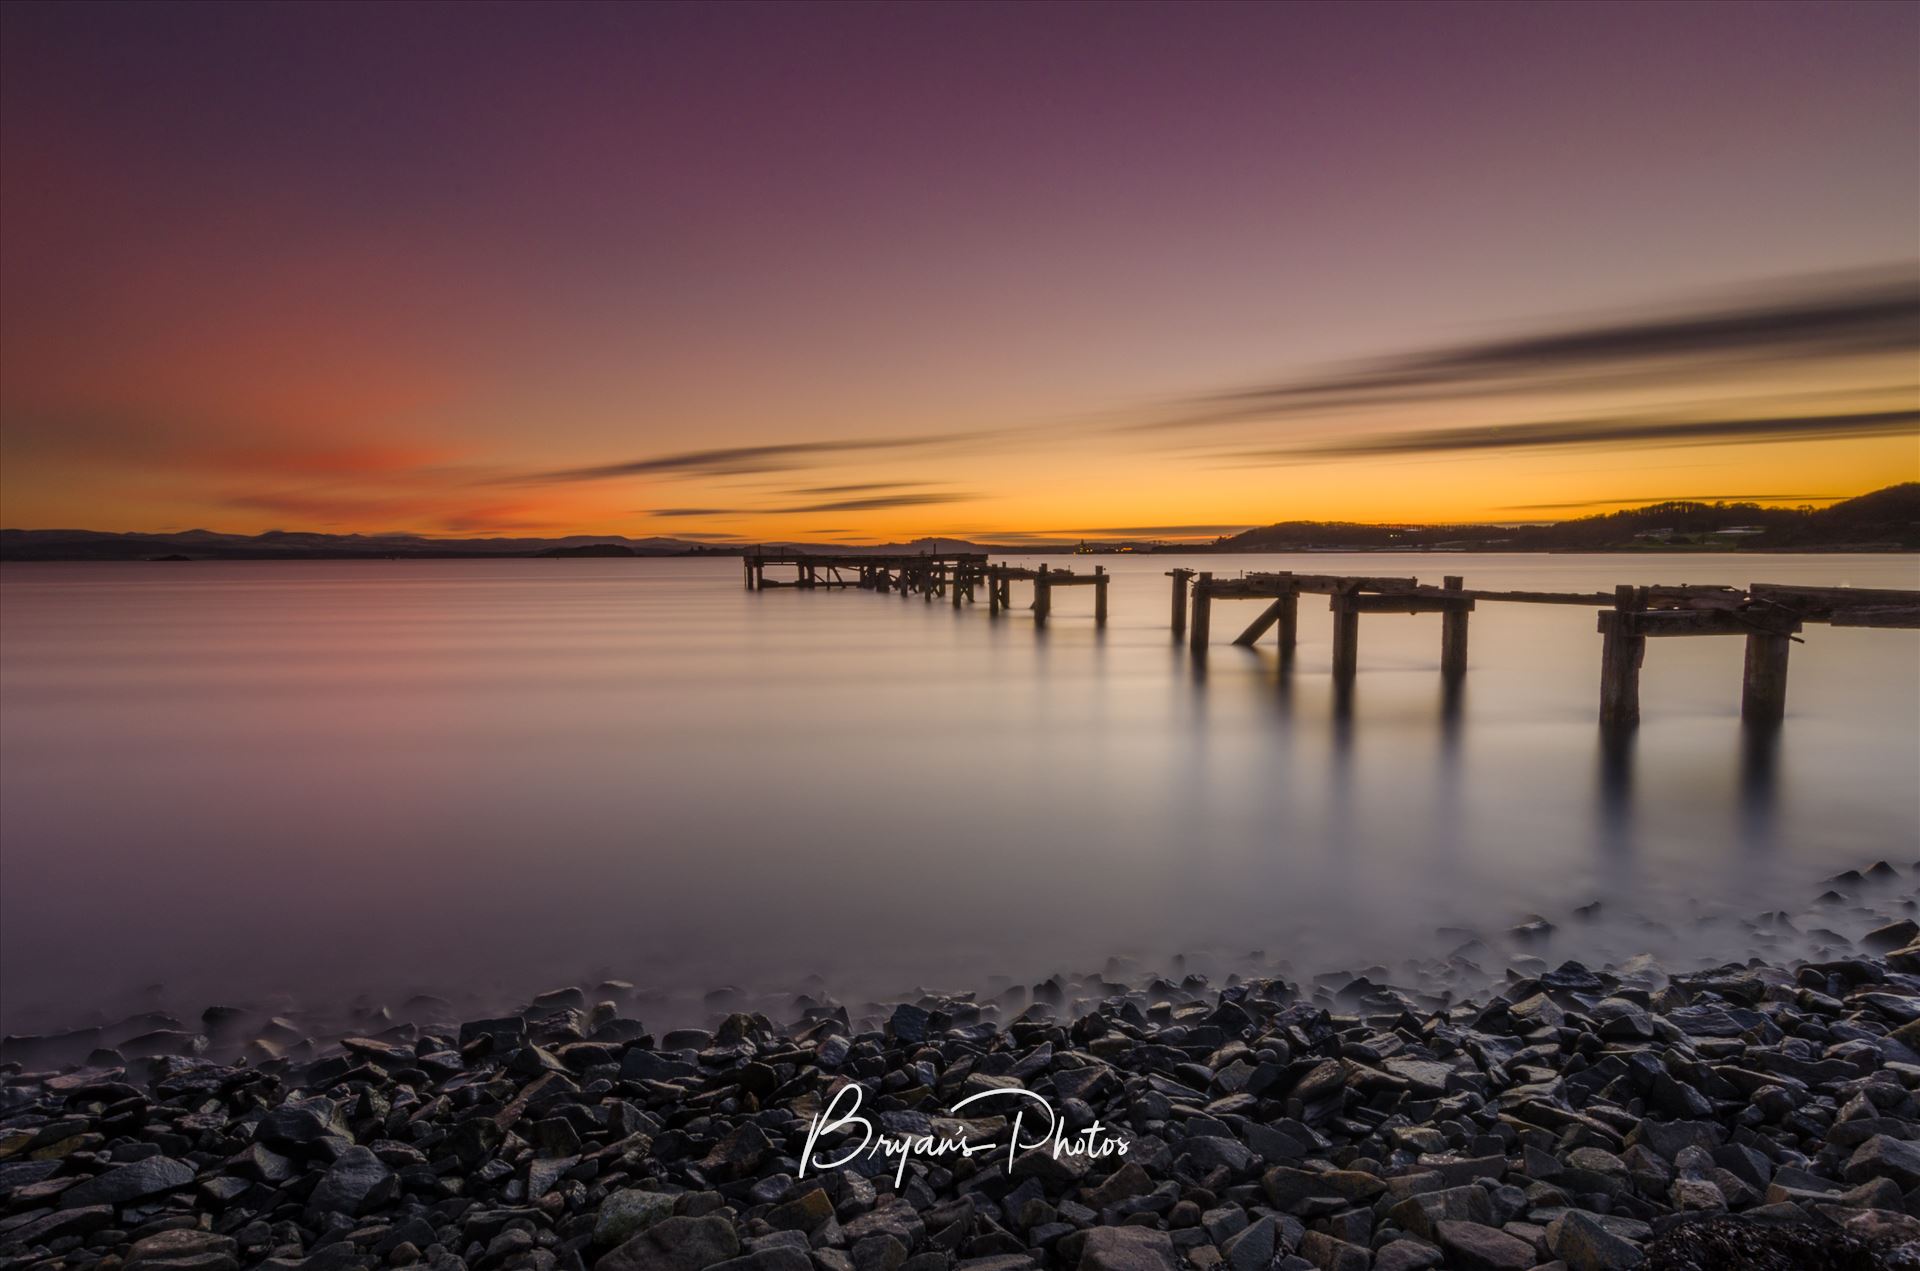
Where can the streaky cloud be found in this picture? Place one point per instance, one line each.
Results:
(873, 504)
(741, 460)
(861, 487)
(877, 503)
(1869, 313)
(1625, 432)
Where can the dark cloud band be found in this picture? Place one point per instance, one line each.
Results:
(1600, 432)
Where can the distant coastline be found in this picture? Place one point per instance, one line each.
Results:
(1886, 520)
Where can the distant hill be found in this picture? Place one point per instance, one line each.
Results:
(286, 545)
(1885, 520)
(591, 549)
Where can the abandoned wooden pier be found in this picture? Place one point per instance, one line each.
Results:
(958, 576)
(1769, 616)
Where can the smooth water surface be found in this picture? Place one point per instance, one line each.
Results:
(482, 778)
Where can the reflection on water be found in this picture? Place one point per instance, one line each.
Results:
(493, 776)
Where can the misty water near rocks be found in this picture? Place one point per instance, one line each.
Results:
(340, 780)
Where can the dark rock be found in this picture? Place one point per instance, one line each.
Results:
(908, 1023)
(356, 1183)
(182, 1250)
(628, 1212)
(1127, 1249)
(300, 1122)
(676, 1244)
(1582, 1242)
(1895, 935)
(154, 1176)
(1481, 1248)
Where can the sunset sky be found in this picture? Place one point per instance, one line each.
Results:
(866, 273)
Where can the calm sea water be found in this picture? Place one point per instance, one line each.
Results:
(487, 778)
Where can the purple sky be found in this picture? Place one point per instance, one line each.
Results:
(357, 266)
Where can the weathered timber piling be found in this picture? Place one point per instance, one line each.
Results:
(1180, 577)
(1289, 617)
(1202, 611)
(1639, 613)
(1453, 633)
(1763, 688)
(1100, 581)
(1621, 653)
(1042, 597)
(1346, 635)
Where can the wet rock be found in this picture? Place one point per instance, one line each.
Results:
(908, 1023)
(1406, 1255)
(357, 1182)
(676, 1244)
(302, 1122)
(1324, 1079)
(1884, 1157)
(772, 1258)
(1478, 1247)
(1127, 1249)
(182, 1250)
(1330, 1253)
(1251, 1249)
(1582, 1242)
(1422, 1214)
(154, 1176)
(1894, 935)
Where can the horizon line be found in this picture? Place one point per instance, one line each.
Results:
(1214, 532)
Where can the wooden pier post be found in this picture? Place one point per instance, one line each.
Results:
(956, 585)
(746, 567)
(1763, 690)
(1180, 577)
(1285, 610)
(1621, 652)
(1453, 635)
(1042, 597)
(1202, 611)
(1100, 596)
(1346, 638)
(1289, 626)
(993, 589)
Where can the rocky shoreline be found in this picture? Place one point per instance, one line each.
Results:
(1752, 1115)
